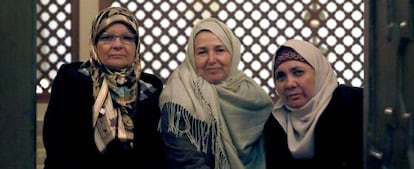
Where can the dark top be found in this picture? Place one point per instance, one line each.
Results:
(338, 136)
(180, 152)
(68, 133)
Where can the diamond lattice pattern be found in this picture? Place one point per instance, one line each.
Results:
(334, 26)
(54, 41)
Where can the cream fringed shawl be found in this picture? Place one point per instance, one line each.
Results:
(299, 124)
(230, 114)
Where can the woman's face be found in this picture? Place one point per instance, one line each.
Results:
(116, 47)
(295, 82)
(213, 60)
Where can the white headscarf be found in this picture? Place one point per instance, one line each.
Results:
(230, 114)
(299, 124)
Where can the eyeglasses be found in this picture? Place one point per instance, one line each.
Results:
(125, 38)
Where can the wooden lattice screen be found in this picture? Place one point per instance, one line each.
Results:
(57, 34)
(336, 26)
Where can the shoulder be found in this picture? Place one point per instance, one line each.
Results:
(347, 99)
(155, 81)
(71, 69)
(345, 107)
(345, 88)
(70, 66)
(70, 72)
(346, 93)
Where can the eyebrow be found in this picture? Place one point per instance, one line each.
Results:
(126, 33)
(295, 67)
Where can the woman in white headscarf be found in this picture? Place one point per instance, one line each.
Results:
(212, 114)
(103, 113)
(316, 123)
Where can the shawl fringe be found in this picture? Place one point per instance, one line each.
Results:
(200, 133)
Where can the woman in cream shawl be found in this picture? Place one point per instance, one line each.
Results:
(316, 123)
(213, 125)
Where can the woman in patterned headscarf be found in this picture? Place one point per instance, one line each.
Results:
(212, 113)
(316, 123)
(104, 113)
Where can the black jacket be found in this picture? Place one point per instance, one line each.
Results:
(68, 133)
(338, 136)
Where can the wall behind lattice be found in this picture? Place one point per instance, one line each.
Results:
(334, 26)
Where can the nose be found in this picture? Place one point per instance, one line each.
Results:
(117, 42)
(290, 82)
(211, 58)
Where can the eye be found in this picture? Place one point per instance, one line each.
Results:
(128, 38)
(298, 72)
(280, 76)
(107, 38)
(220, 49)
(201, 51)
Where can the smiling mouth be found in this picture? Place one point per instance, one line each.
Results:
(213, 70)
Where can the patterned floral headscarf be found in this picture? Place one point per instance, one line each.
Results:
(115, 91)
